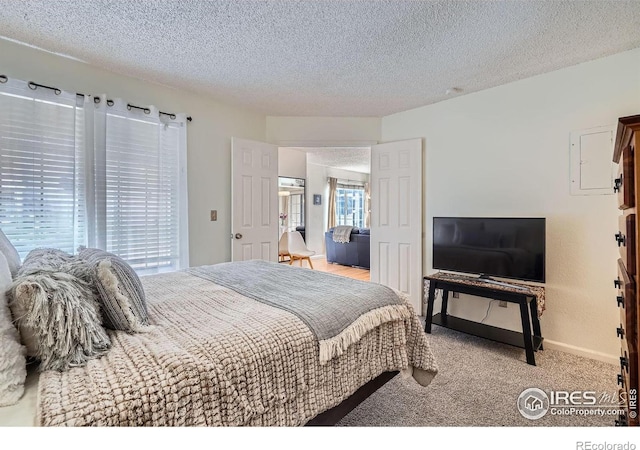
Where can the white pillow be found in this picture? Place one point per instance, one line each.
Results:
(13, 365)
(10, 253)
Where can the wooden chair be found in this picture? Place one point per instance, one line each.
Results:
(297, 248)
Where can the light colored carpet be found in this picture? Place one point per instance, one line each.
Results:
(478, 384)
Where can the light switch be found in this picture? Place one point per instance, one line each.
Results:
(214, 215)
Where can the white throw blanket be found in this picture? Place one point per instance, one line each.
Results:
(342, 233)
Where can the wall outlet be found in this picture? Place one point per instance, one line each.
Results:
(502, 304)
(456, 295)
(214, 215)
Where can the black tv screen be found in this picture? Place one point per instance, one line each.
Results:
(502, 247)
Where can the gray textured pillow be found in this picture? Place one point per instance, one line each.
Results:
(10, 253)
(42, 260)
(59, 319)
(13, 364)
(39, 259)
(122, 296)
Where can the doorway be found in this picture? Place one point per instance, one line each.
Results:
(349, 165)
(396, 203)
(291, 204)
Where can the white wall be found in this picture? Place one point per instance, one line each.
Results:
(322, 131)
(292, 163)
(505, 152)
(209, 135)
(316, 223)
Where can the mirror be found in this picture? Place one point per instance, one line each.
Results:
(291, 203)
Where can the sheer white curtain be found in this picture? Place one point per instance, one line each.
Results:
(138, 204)
(41, 167)
(367, 205)
(80, 170)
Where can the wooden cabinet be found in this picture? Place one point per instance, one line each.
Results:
(626, 185)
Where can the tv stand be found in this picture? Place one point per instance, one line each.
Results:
(531, 337)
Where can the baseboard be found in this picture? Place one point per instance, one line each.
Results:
(318, 257)
(579, 351)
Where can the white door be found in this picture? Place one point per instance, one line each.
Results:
(396, 217)
(254, 200)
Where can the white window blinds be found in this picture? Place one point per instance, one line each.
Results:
(75, 171)
(41, 168)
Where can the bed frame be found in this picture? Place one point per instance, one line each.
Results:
(332, 416)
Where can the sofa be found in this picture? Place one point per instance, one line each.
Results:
(356, 252)
(300, 229)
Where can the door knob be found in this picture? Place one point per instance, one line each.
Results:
(238, 236)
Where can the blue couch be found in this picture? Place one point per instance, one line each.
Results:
(300, 229)
(356, 252)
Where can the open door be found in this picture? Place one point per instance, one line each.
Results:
(254, 200)
(396, 217)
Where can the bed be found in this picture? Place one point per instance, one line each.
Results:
(243, 344)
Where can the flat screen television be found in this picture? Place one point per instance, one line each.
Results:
(504, 247)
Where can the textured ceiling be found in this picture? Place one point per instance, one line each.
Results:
(326, 58)
(356, 159)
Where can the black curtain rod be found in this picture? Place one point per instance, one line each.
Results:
(141, 108)
(147, 111)
(33, 86)
(173, 116)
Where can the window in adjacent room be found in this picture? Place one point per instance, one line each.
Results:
(291, 194)
(350, 205)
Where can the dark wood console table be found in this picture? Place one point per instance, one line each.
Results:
(530, 299)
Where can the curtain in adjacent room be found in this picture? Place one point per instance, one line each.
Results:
(367, 205)
(333, 186)
(286, 207)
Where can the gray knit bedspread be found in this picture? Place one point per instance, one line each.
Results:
(338, 310)
(215, 357)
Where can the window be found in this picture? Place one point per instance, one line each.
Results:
(296, 210)
(41, 169)
(350, 205)
(142, 177)
(291, 195)
(119, 185)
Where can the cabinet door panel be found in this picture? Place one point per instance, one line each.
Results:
(626, 239)
(624, 183)
(626, 302)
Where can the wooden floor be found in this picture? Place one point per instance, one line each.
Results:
(322, 265)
